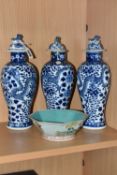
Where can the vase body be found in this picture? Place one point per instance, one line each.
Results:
(58, 80)
(93, 82)
(19, 82)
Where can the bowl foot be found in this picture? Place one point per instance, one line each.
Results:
(58, 138)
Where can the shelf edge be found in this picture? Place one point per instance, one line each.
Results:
(56, 152)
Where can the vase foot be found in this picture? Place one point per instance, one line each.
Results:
(94, 128)
(19, 128)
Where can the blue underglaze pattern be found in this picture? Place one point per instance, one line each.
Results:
(58, 57)
(19, 83)
(57, 84)
(93, 81)
(58, 79)
(19, 86)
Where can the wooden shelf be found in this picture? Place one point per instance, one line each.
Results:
(28, 144)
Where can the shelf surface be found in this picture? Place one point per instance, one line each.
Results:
(28, 144)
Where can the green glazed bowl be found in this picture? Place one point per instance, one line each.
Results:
(58, 125)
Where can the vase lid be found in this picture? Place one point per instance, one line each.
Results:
(57, 46)
(95, 45)
(18, 45)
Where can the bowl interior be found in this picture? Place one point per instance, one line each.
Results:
(58, 116)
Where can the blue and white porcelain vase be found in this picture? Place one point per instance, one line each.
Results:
(19, 83)
(93, 82)
(58, 78)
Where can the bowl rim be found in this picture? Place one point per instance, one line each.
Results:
(58, 123)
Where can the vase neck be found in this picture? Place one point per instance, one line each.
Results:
(58, 56)
(19, 57)
(94, 57)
